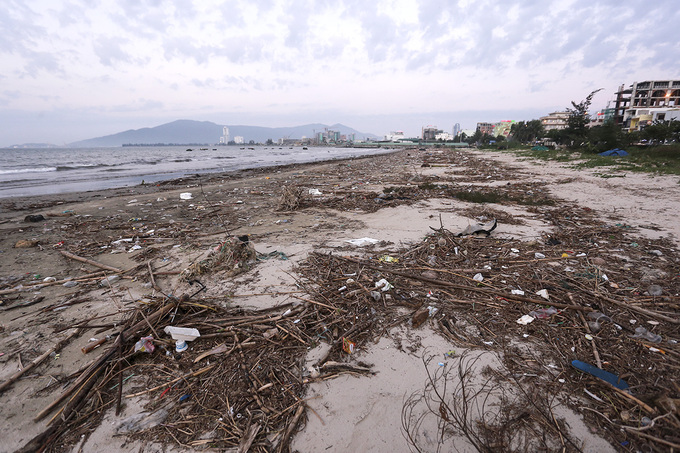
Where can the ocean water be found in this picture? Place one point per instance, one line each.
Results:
(34, 172)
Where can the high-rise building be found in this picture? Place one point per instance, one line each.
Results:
(225, 135)
(456, 129)
(647, 94)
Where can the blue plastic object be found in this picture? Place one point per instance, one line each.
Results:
(600, 374)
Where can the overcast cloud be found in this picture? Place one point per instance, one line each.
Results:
(71, 70)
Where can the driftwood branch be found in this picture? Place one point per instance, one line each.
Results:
(90, 262)
(40, 359)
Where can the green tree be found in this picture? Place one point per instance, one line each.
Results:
(577, 123)
(662, 131)
(607, 136)
(527, 132)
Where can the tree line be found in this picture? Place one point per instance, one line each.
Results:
(579, 135)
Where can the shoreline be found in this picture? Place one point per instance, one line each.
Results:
(413, 203)
(23, 202)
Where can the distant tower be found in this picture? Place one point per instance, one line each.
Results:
(456, 129)
(225, 134)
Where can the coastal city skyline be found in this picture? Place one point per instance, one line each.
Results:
(72, 70)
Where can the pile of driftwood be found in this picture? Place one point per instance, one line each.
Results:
(589, 293)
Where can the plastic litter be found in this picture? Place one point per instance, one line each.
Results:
(361, 242)
(544, 294)
(186, 196)
(543, 313)
(145, 344)
(600, 374)
(539, 255)
(383, 285)
(526, 319)
(315, 192)
(478, 277)
(655, 290)
(348, 345)
(597, 318)
(517, 292)
(644, 334)
(181, 335)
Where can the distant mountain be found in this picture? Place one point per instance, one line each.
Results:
(205, 132)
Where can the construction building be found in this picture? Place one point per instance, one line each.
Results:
(645, 95)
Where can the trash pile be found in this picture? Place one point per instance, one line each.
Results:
(588, 315)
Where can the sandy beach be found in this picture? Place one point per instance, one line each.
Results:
(412, 339)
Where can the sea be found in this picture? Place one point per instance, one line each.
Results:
(35, 172)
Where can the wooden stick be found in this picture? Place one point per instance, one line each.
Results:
(188, 375)
(90, 262)
(26, 287)
(39, 360)
(289, 429)
(95, 365)
(153, 280)
(652, 438)
(315, 302)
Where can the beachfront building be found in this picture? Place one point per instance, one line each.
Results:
(636, 119)
(239, 140)
(443, 136)
(555, 121)
(649, 94)
(602, 117)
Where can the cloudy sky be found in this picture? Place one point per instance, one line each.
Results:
(71, 70)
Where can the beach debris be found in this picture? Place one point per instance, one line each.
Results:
(479, 228)
(478, 277)
(145, 344)
(361, 242)
(526, 319)
(388, 259)
(543, 313)
(219, 349)
(606, 376)
(383, 285)
(291, 198)
(107, 281)
(181, 335)
(420, 316)
(234, 256)
(142, 421)
(186, 196)
(34, 218)
(655, 290)
(543, 293)
(348, 345)
(644, 334)
(26, 243)
(539, 255)
(315, 192)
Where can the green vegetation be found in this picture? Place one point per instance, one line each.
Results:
(493, 196)
(655, 148)
(662, 159)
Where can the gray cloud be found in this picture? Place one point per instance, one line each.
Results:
(110, 51)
